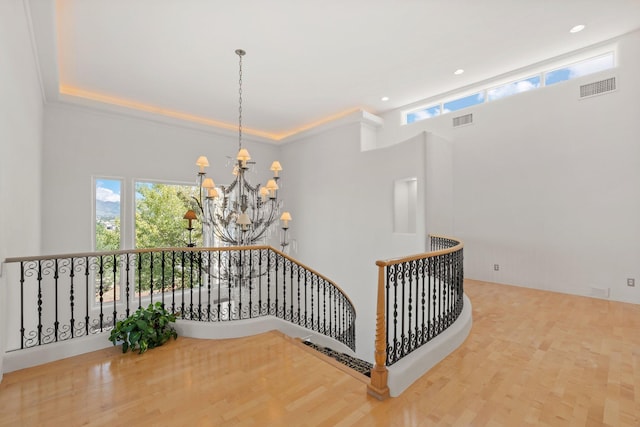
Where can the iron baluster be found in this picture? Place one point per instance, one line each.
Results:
(260, 282)
(162, 277)
(55, 279)
(86, 300)
(434, 314)
(173, 282)
(140, 259)
(241, 282)
(277, 312)
(284, 288)
(422, 300)
(22, 330)
(386, 316)
(208, 272)
(299, 309)
(72, 322)
(182, 278)
(115, 287)
(39, 302)
(306, 318)
(219, 284)
(151, 274)
(291, 317)
(250, 287)
(127, 283)
(313, 280)
(229, 284)
(101, 289)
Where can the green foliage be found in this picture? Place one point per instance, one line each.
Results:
(108, 238)
(160, 209)
(146, 328)
(159, 215)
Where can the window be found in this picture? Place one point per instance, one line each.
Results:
(567, 72)
(160, 209)
(108, 237)
(423, 113)
(579, 69)
(460, 103)
(513, 88)
(108, 214)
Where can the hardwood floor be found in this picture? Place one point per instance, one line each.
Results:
(533, 358)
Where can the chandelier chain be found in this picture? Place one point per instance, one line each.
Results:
(240, 100)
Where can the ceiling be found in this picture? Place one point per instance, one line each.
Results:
(306, 62)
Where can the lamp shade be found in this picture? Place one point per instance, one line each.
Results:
(264, 192)
(212, 193)
(243, 221)
(202, 162)
(190, 215)
(272, 185)
(285, 218)
(208, 183)
(243, 155)
(276, 167)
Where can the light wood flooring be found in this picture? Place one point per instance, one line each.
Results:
(533, 358)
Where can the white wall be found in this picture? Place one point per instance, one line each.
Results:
(439, 185)
(81, 143)
(546, 185)
(342, 203)
(20, 144)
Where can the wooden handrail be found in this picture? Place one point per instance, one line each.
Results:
(384, 263)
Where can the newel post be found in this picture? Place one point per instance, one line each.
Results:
(378, 387)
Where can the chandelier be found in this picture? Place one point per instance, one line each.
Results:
(238, 214)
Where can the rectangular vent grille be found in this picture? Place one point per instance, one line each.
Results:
(597, 88)
(600, 292)
(467, 119)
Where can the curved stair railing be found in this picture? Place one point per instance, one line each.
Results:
(418, 298)
(61, 297)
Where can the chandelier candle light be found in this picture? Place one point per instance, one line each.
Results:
(240, 213)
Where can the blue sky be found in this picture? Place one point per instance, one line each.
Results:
(108, 190)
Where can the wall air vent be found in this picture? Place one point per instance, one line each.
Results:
(467, 119)
(598, 88)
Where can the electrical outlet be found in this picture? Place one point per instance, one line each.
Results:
(496, 267)
(631, 282)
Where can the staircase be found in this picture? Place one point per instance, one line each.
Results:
(361, 366)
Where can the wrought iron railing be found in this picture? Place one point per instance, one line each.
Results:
(419, 297)
(56, 298)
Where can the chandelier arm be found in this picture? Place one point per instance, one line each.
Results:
(252, 188)
(223, 234)
(260, 232)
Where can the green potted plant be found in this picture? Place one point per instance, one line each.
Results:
(146, 328)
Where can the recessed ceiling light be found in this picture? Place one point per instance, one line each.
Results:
(384, 98)
(458, 71)
(577, 29)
